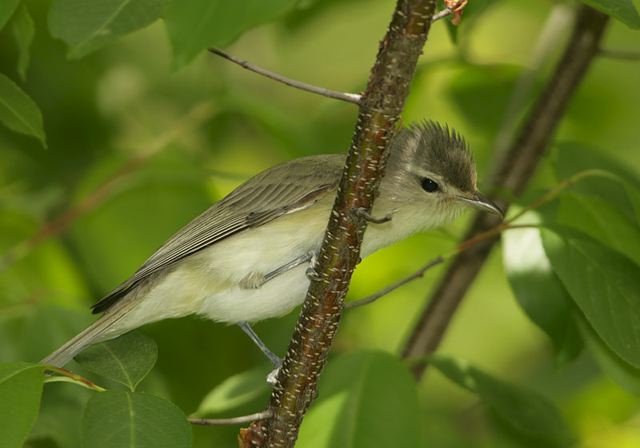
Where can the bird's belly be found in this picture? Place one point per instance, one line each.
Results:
(274, 298)
(260, 250)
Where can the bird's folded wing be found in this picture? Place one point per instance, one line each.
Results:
(280, 190)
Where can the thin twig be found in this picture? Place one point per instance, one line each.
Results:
(392, 287)
(623, 55)
(442, 14)
(353, 98)
(231, 420)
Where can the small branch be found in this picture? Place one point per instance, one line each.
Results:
(392, 287)
(515, 169)
(70, 377)
(61, 222)
(623, 55)
(352, 98)
(231, 420)
(552, 32)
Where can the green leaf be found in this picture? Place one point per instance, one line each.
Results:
(481, 93)
(7, 7)
(623, 10)
(23, 30)
(87, 26)
(126, 360)
(539, 291)
(195, 25)
(234, 392)
(20, 392)
(48, 327)
(118, 419)
(523, 410)
(600, 220)
(620, 190)
(18, 112)
(366, 399)
(634, 197)
(606, 287)
(619, 371)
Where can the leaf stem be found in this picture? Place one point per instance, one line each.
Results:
(70, 377)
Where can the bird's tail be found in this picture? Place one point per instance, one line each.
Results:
(96, 332)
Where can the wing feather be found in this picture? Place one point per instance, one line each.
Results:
(283, 189)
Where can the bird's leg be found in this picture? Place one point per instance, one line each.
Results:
(273, 358)
(311, 270)
(256, 279)
(361, 212)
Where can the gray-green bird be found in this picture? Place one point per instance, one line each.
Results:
(246, 258)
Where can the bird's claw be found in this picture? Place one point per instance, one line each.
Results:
(362, 212)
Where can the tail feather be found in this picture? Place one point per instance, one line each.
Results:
(93, 334)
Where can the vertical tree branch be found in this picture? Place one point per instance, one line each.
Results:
(513, 173)
(379, 112)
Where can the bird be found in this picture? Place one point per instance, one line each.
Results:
(247, 257)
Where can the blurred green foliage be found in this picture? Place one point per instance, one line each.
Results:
(137, 148)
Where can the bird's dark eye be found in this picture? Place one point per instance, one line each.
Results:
(429, 185)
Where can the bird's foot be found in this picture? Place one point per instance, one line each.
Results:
(272, 377)
(253, 281)
(311, 272)
(363, 213)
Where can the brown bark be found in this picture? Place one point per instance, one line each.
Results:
(379, 112)
(513, 174)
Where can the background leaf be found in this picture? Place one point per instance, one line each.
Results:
(195, 25)
(572, 158)
(611, 364)
(126, 359)
(87, 26)
(366, 399)
(7, 7)
(600, 220)
(116, 419)
(23, 30)
(18, 112)
(606, 287)
(20, 392)
(623, 10)
(525, 411)
(235, 391)
(539, 291)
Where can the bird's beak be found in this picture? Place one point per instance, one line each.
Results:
(481, 202)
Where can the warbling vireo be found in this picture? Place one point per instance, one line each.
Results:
(246, 258)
